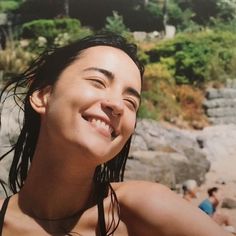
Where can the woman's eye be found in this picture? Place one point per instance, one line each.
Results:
(131, 103)
(98, 83)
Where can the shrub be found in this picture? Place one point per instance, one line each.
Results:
(143, 57)
(190, 100)
(52, 28)
(158, 97)
(14, 60)
(192, 55)
(9, 5)
(222, 66)
(155, 72)
(116, 24)
(162, 99)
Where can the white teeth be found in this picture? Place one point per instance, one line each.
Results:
(102, 124)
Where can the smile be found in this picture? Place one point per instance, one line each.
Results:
(102, 126)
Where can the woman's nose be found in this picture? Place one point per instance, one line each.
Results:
(115, 106)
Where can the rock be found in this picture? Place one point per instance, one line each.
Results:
(229, 203)
(10, 120)
(151, 166)
(218, 142)
(165, 155)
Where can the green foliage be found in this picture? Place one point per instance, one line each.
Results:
(162, 99)
(226, 9)
(219, 25)
(115, 24)
(51, 29)
(184, 15)
(143, 57)
(174, 13)
(192, 55)
(154, 8)
(204, 10)
(147, 110)
(158, 97)
(222, 66)
(177, 16)
(9, 5)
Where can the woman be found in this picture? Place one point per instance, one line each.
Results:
(80, 112)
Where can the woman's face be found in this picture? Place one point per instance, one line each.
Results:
(92, 107)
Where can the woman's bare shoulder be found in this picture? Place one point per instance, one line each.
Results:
(146, 200)
(141, 190)
(144, 194)
(152, 208)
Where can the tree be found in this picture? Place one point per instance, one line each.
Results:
(66, 7)
(226, 9)
(115, 23)
(9, 5)
(204, 10)
(41, 9)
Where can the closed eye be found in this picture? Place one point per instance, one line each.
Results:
(131, 103)
(98, 83)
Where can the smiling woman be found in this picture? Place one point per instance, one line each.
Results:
(80, 110)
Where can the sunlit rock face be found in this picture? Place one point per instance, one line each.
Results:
(166, 155)
(170, 155)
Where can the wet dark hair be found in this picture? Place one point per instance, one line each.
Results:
(43, 72)
(210, 191)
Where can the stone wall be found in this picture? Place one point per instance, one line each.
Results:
(220, 104)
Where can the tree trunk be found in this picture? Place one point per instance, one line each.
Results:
(66, 7)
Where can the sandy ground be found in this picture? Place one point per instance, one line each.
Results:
(222, 175)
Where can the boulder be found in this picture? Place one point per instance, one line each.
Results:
(229, 203)
(165, 155)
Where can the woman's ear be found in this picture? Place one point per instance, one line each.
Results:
(39, 99)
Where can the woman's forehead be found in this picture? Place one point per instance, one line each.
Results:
(106, 52)
(109, 58)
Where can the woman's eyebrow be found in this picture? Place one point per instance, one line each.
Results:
(133, 92)
(105, 72)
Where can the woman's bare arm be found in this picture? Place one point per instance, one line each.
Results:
(154, 210)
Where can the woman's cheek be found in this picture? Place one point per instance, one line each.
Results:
(131, 121)
(84, 97)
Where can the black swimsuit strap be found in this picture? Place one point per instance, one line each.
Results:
(102, 192)
(3, 212)
(101, 218)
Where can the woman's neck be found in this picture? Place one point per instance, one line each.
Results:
(55, 190)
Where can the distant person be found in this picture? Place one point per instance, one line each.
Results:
(209, 206)
(190, 189)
